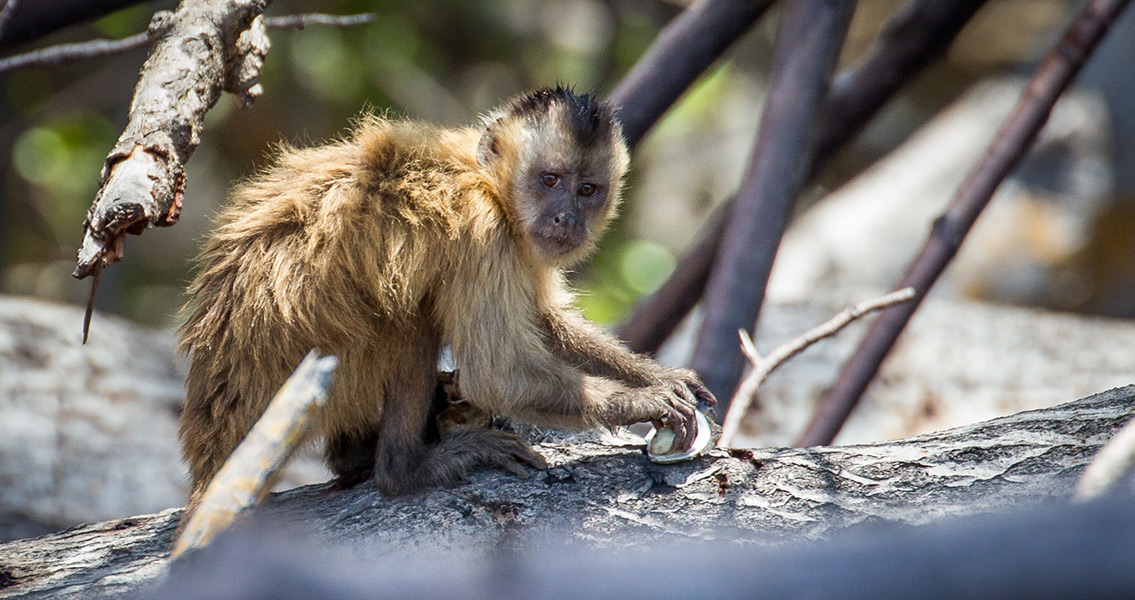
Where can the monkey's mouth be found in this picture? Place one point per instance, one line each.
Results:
(559, 243)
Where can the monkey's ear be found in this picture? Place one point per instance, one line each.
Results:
(487, 149)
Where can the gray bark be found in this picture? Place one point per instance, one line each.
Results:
(197, 51)
(598, 495)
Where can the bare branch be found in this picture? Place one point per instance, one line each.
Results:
(65, 53)
(1051, 78)
(1115, 460)
(201, 49)
(683, 50)
(36, 18)
(248, 474)
(301, 21)
(913, 38)
(764, 366)
(809, 41)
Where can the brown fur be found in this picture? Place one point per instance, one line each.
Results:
(384, 246)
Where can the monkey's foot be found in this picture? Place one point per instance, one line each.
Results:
(495, 448)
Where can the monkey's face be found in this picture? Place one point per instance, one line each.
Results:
(563, 208)
(560, 158)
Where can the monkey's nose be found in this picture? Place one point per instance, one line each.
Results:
(565, 219)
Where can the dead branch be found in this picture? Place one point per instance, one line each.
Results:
(250, 472)
(683, 50)
(763, 366)
(33, 19)
(1049, 81)
(914, 38)
(1013, 554)
(199, 50)
(65, 53)
(808, 42)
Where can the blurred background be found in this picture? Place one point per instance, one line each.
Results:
(89, 432)
(449, 60)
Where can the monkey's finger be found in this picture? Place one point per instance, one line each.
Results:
(702, 393)
(684, 393)
(681, 433)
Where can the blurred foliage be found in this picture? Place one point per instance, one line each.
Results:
(440, 60)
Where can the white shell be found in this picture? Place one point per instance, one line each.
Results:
(701, 442)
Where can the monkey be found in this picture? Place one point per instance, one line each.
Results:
(403, 237)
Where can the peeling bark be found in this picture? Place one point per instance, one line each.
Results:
(603, 496)
(197, 51)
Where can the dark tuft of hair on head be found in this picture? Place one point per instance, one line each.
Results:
(589, 118)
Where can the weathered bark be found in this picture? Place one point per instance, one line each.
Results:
(598, 495)
(198, 51)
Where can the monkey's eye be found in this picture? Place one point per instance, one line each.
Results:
(550, 180)
(588, 189)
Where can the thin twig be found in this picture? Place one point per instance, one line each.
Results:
(764, 366)
(683, 50)
(303, 20)
(809, 41)
(916, 36)
(1111, 464)
(1016, 135)
(248, 474)
(65, 53)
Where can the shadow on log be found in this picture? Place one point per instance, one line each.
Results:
(605, 496)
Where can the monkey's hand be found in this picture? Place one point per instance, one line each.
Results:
(669, 402)
(687, 385)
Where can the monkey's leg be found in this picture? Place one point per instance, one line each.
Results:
(405, 461)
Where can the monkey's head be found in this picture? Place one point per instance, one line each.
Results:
(557, 160)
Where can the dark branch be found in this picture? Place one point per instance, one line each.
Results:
(1049, 81)
(681, 53)
(33, 19)
(914, 38)
(64, 53)
(808, 44)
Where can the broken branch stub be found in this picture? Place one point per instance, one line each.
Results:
(201, 48)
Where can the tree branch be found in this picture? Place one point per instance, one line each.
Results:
(683, 50)
(809, 41)
(33, 19)
(65, 53)
(202, 48)
(763, 366)
(912, 39)
(250, 472)
(1051, 78)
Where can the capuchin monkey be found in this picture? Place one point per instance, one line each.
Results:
(405, 237)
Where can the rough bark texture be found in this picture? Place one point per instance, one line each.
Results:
(603, 496)
(198, 51)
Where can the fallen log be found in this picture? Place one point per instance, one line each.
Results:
(599, 495)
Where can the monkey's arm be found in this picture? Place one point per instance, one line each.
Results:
(593, 350)
(508, 368)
